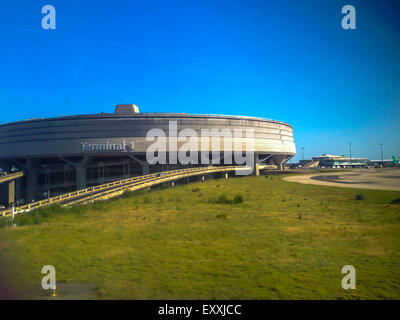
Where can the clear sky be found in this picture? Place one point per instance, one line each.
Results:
(278, 59)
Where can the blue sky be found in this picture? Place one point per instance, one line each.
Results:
(280, 59)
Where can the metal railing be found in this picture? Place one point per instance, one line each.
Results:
(115, 188)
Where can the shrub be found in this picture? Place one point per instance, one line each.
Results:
(195, 189)
(23, 219)
(37, 218)
(359, 196)
(4, 221)
(238, 199)
(299, 216)
(223, 199)
(396, 201)
(49, 211)
(221, 216)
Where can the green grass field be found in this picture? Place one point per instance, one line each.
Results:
(282, 240)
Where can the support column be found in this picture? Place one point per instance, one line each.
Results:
(144, 164)
(65, 178)
(11, 193)
(81, 177)
(33, 167)
(17, 189)
(126, 168)
(47, 174)
(100, 172)
(81, 172)
(279, 161)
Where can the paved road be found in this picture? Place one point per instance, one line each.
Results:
(382, 179)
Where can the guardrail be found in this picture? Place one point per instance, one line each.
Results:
(11, 176)
(117, 187)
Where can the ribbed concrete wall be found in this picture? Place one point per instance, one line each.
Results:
(65, 135)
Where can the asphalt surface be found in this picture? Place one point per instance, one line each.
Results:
(373, 178)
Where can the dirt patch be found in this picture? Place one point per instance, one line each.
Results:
(64, 291)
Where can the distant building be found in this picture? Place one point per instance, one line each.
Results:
(383, 163)
(332, 161)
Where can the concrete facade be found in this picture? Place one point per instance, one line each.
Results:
(68, 153)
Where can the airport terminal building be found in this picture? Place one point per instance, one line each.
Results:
(333, 161)
(67, 153)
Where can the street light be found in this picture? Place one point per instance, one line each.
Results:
(350, 153)
(381, 144)
(302, 153)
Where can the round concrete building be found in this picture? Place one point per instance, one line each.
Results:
(72, 152)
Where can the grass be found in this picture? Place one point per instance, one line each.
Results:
(175, 243)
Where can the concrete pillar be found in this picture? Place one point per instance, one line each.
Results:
(3, 193)
(226, 175)
(80, 177)
(67, 176)
(279, 161)
(126, 168)
(11, 193)
(17, 189)
(172, 184)
(33, 168)
(257, 169)
(100, 172)
(47, 179)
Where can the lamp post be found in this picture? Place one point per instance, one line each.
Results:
(350, 154)
(302, 153)
(381, 144)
